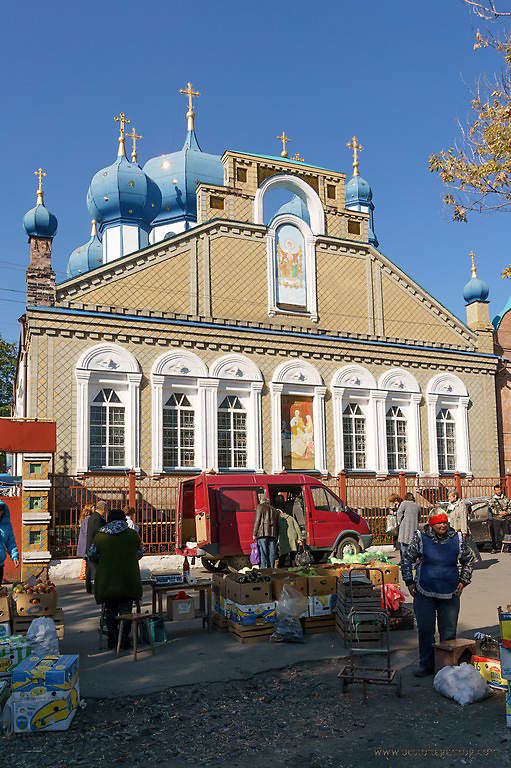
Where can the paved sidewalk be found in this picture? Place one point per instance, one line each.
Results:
(192, 656)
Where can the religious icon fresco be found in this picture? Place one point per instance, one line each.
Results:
(290, 266)
(297, 432)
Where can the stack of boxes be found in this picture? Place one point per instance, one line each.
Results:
(13, 650)
(505, 656)
(5, 627)
(45, 693)
(359, 594)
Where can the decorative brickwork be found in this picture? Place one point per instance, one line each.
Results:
(40, 275)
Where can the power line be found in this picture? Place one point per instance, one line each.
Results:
(12, 290)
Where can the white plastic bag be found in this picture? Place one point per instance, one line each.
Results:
(464, 684)
(42, 637)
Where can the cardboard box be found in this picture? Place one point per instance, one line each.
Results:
(297, 582)
(47, 674)
(508, 705)
(5, 629)
(50, 711)
(161, 580)
(247, 615)
(249, 594)
(219, 583)
(505, 628)
(44, 604)
(390, 573)
(5, 690)
(322, 605)
(491, 671)
(13, 650)
(505, 662)
(321, 585)
(181, 610)
(5, 613)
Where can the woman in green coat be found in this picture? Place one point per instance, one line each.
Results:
(116, 550)
(290, 538)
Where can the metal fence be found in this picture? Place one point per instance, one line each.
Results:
(155, 502)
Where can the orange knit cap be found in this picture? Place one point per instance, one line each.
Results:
(438, 517)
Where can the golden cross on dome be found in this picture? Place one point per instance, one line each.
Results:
(134, 136)
(40, 173)
(284, 139)
(122, 119)
(190, 115)
(472, 256)
(355, 145)
(298, 158)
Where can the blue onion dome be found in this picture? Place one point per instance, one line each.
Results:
(39, 222)
(295, 206)
(122, 191)
(177, 175)
(87, 256)
(357, 190)
(476, 289)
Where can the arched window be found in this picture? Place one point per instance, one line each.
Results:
(354, 437)
(106, 425)
(232, 434)
(446, 440)
(178, 432)
(397, 448)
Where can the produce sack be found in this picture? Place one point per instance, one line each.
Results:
(290, 606)
(42, 637)
(391, 526)
(464, 684)
(254, 553)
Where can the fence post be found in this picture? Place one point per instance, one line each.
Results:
(342, 486)
(132, 498)
(402, 485)
(508, 485)
(457, 483)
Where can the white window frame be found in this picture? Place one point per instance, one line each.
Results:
(392, 419)
(311, 308)
(180, 371)
(179, 408)
(232, 411)
(107, 405)
(446, 390)
(235, 374)
(401, 389)
(298, 377)
(354, 384)
(355, 414)
(452, 420)
(108, 366)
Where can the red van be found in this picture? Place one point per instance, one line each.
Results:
(216, 515)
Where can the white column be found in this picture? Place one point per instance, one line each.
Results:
(82, 420)
(431, 404)
(201, 446)
(463, 437)
(157, 380)
(276, 427)
(337, 394)
(378, 400)
(310, 276)
(256, 436)
(211, 423)
(414, 434)
(133, 426)
(318, 407)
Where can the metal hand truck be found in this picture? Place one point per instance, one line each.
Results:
(358, 673)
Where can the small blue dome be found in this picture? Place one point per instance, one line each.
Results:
(358, 191)
(295, 206)
(122, 191)
(177, 174)
(475, 290)
(86, 257)
(39, 222)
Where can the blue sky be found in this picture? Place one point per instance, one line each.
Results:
(395, 73)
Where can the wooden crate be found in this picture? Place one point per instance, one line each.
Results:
(251, 634)
(219, 622)
(368, 634)
(313, 625)
(20, 624)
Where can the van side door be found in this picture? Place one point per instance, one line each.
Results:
(236, 512)
(326, 517)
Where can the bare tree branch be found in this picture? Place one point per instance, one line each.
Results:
(486, 11)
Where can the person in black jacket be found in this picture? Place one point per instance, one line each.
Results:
(96, 521)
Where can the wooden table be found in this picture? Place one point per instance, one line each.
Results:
(202, 587)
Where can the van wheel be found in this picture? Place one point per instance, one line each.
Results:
(213, 566)
(348, 546)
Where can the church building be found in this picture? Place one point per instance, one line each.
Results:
(235, 313)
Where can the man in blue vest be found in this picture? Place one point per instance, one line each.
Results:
(444, 564)
(7, 540)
